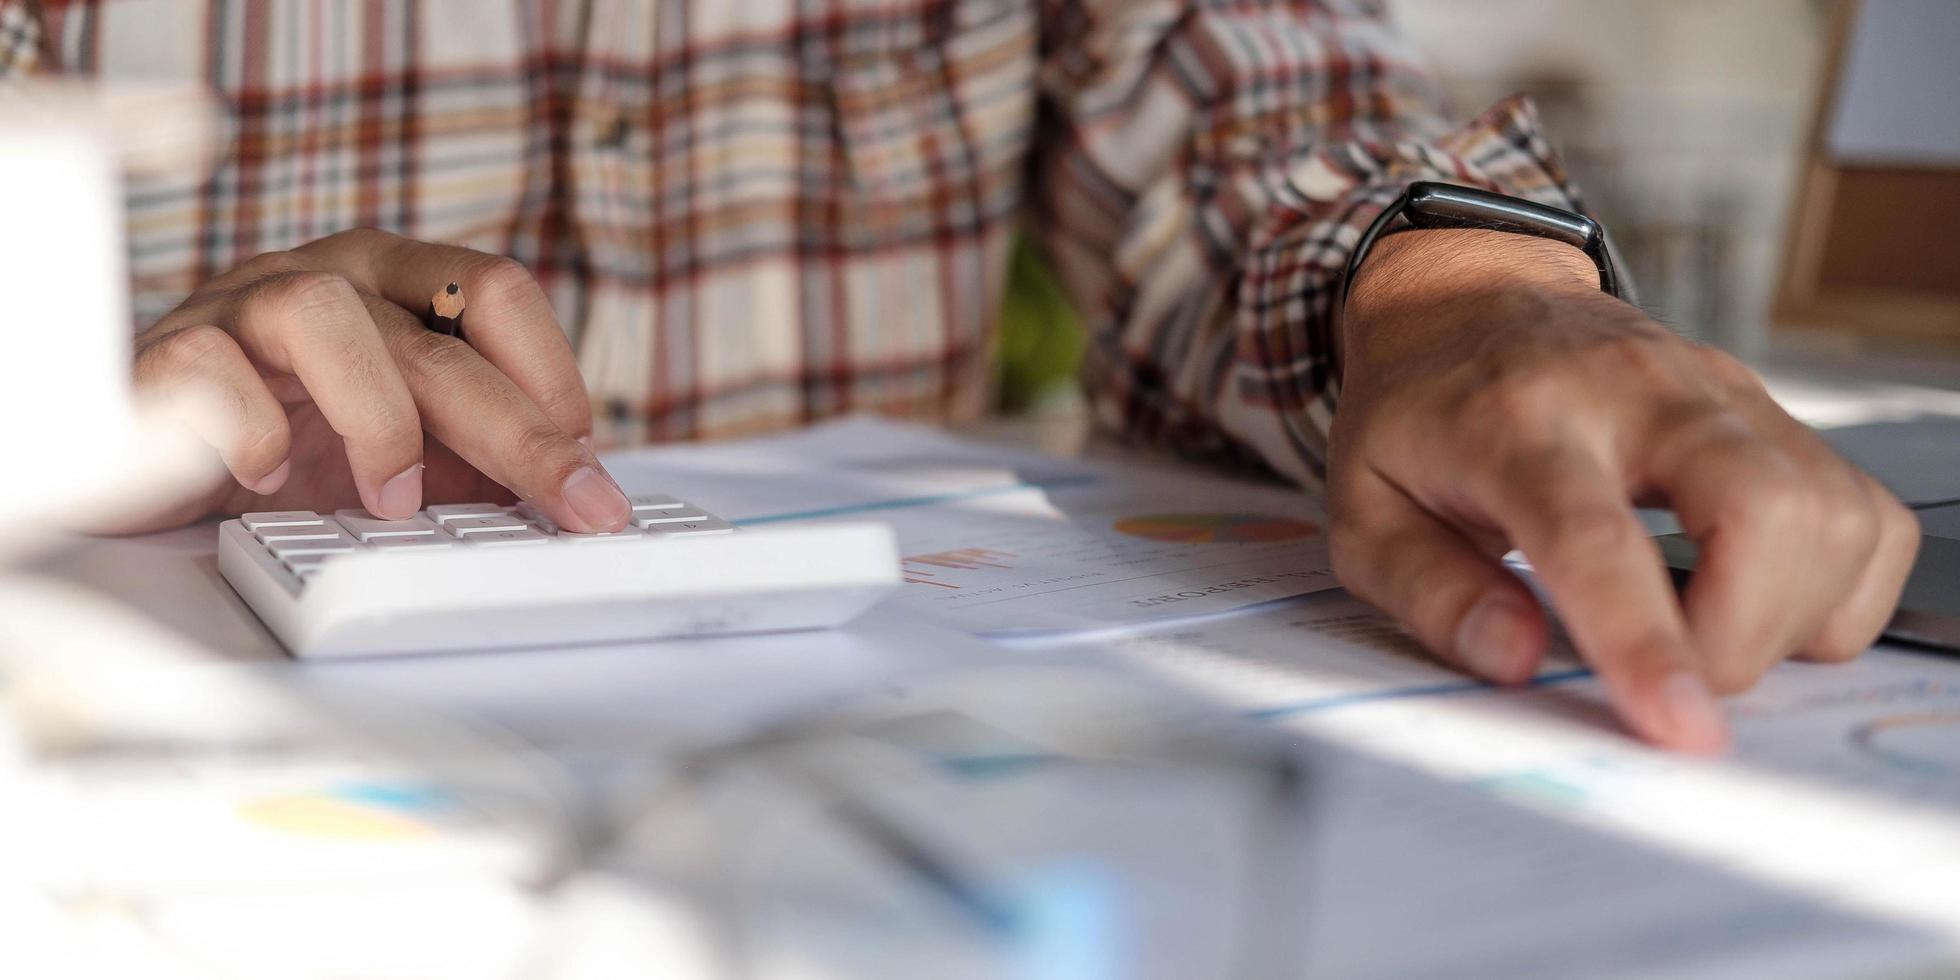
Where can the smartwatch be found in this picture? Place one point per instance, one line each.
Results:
(1428, 204)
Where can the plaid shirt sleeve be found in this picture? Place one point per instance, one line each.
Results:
(1206, 169)
(20, 38)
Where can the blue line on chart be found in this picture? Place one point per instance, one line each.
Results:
(926, 501)
(1396, 694)
(1069, 635)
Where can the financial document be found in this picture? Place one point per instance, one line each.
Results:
(1843, 785)
(1012, 545)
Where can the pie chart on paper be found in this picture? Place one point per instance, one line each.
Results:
(1216, 528)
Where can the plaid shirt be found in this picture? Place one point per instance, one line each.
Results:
(753, 213)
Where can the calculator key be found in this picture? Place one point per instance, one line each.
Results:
(706, 525)
(628, 534)
(500, 538)
(434, 542)
(647, 519)
(261, 520)
(368, 529)
(309, 562)
(322, 532)
(445, 513)
(289, 547)
(531, 515)
(653, 501)
(466, 526)
(322, 529)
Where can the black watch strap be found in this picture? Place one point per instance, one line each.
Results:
(1428, 204)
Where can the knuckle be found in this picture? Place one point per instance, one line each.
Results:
(1589, 529)
(267, 264)
(1517, 396)
(1733, 675)
(300, 295)
(392, 425)
(1778, 503)
(566, 401)
(552, 449)
(1851, 526)
(1726, 368)
(188, 348)
(1895, 519)
(1701, 425)
(441, 360)
(260, 437)
(361, 238)
(1651, 358)
(1840, 644)
(503, 282)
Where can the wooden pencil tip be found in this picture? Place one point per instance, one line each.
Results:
(447, 304)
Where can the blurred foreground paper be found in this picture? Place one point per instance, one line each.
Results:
(173, 816)
(1826, 843)
(70, 429)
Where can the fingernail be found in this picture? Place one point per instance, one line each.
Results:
(271, 482)
(596, 500)
(401, 496)
(1493, 640)
(1694, 717)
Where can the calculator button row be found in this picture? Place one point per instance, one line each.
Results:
(303, 540)
(521, 535)
(629, 533)
(444, 513)
(288, 547)
(433, 542)
(648, 519)
(466, 526)
(265, 519)
(705, 525)
(368, 528)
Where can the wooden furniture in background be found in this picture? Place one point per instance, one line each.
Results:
(1874, 245)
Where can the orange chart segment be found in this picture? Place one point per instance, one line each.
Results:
(1216, 528)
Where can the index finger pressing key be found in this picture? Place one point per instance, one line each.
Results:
(475, 410)
(315, 326)
(1605, 577)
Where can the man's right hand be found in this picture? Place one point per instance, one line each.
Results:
(327, 382)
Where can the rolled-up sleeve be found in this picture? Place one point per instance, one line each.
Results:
(1203, 173)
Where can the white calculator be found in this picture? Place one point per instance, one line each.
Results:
(486, 576)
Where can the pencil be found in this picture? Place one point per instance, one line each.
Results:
(446, 311)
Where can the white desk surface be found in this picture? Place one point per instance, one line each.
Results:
(172, 578)
(1906, 434)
